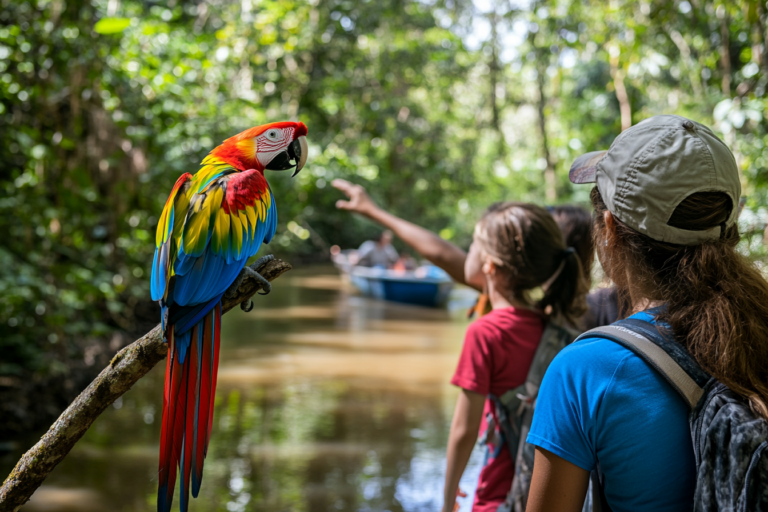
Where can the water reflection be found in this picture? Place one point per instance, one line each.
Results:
(326, 401)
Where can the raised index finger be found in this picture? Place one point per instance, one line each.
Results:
(342, 185)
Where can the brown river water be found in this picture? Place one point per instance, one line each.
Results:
(326, 401)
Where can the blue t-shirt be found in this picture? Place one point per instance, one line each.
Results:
(599, 402)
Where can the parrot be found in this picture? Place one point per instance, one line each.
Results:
(212, 223)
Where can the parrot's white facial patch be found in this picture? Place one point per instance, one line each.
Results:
(272, 142)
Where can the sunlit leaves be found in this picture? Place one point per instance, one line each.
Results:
(111, 25)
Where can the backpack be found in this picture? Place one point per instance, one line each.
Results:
(730, 442)
(512, 415)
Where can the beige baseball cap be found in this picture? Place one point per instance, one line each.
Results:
(651, 167)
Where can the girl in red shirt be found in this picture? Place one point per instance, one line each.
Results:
(518, 256)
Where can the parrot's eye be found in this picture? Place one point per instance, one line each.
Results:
(272, 134)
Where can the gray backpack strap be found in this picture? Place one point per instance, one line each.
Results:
(553, 340)
(514, 403)
(655, 356)
(520, 403)
(664, 355)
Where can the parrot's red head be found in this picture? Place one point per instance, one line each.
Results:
(273, 146)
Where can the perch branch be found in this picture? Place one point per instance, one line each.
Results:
(127, 367)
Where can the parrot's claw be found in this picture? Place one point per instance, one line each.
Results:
(250, 271)
(232, 290)
(265, 285)
(261, 261)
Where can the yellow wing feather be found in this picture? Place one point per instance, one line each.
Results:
(252, 218)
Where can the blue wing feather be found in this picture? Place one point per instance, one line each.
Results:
(160, 271)
(271, 221)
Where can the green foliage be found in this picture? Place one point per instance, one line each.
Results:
(111, 25)
(437, 107)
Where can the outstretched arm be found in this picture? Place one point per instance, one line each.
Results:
(429, 245)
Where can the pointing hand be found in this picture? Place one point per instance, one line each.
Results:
(359, 200)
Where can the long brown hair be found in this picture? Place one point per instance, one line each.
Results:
(716, 300)
(527, 246)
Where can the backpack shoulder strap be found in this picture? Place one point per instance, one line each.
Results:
(512, 407)
(654, 352)
(553, 339)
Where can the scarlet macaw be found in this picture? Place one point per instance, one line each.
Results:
(211, 224)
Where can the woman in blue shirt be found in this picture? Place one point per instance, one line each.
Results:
(666, 203)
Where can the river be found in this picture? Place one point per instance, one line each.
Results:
(326, 401)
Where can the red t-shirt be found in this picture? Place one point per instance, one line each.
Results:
(497, 353)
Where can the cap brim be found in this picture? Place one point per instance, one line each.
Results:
(584, 168)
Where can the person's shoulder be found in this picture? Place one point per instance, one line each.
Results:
(499, 323)
(603, 308)
(487, 326)
(481, 325)
(590, 356)
(366, 245)
(595, 346)
(604, 299)
(499, 318)
(602, 295)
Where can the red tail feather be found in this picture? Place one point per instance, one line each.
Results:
(201, 434)
(190, 388)
(214, 366)
(167, 470)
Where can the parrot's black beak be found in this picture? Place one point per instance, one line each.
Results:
(295, 156)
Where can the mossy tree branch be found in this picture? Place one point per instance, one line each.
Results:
(127, 367)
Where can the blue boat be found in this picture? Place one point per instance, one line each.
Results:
(427, 285)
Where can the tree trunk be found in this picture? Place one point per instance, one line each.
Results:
(621, 94)
(761, 23)
(550, 190)
(690, 66)
(493, 72)
(725, 55)
(127, 367)
(617, 74)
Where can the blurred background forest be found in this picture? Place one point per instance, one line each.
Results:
(438, 107)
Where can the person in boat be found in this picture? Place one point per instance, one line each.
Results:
(530, 276)
(574, 222)
(405, 263)
(378, 252)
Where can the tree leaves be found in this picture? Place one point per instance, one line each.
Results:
(111, 25)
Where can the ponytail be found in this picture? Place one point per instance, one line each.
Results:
(561, 297)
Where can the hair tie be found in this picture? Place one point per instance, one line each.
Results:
(566, 252)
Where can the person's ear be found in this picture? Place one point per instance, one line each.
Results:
(610, 226)
(489, 267)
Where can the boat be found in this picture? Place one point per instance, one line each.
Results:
(427, 285)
